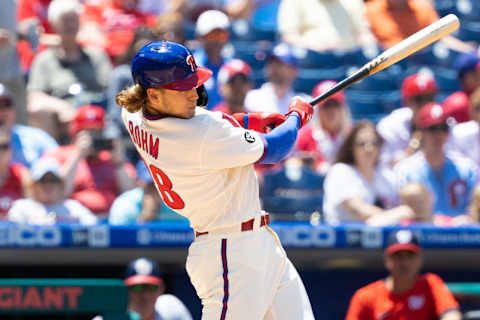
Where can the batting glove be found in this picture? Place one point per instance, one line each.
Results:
(303, 108)
(259, 121)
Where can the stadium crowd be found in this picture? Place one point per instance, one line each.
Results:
(400, 147)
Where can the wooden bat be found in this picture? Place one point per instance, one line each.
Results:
(406, 47)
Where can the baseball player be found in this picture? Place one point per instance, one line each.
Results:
(202, 165)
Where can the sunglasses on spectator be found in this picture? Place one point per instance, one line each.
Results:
(438, 127)
(4, 146)
(143, 287)
(217, 35)
(6, 103)
(363, 144)
(49, 180)
(424, 98)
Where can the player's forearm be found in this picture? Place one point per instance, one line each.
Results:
(280, 140)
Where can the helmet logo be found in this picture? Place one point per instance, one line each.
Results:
(191, 62)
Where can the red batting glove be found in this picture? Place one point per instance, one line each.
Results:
(303, 108)
(260, 121)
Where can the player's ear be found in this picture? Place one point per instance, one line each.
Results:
(153, 94)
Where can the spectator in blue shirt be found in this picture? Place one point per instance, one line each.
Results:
(28, 143)
(142, 204)
(212, 31)
(451, 180)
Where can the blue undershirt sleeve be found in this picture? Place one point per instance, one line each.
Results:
(280, 140)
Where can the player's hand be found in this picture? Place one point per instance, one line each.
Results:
(83, 143)
(303, 108)
(260, 121)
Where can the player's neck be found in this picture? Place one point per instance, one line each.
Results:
(435, 159)
(400, 285)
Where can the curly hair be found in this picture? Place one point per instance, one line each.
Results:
(133, 98)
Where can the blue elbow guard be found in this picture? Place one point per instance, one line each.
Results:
(280, 140)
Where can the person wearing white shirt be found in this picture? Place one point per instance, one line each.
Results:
(48, 205)
(357, 189)
(274, 96)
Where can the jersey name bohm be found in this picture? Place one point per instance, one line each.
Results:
(144, 140)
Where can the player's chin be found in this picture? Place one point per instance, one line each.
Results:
(190, 113)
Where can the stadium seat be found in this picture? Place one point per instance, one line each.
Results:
(363, 102)
(468, 10)
(258, 77)
(330, 59)
(445, 7)
(255, 53)
(242, 30)
(265, 15)
(388, 79)
(470, 31)
(289, 193)
(446, 79)
(308, 78)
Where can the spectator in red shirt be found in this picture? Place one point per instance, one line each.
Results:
(112, 23)
(234, 81)
(14, 177)
(34, 11)
(323, 137)
(404, 294)
(94, 169)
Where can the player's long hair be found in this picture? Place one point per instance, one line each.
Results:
(133, 98)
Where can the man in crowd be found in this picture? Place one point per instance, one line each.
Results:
(146, 294)
(404, 294)
(398, 129)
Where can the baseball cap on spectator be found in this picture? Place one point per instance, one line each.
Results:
(402, 240)
(322, 87)
(43, 166)
(457, 106)
(142, 172)
(284, 53)
(431, 114)
(87, 117)
(466, 62)
(231, 69)
(143, 271)
(418, 84)
(211, 20)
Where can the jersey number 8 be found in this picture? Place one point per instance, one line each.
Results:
(164, 185)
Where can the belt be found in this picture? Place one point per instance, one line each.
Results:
(245, 226)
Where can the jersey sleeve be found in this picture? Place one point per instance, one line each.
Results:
(227, 145)
(442, 297)
(359, 308)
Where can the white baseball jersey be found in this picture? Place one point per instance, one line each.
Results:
(201, 166)
(465, 141)
(395, 129)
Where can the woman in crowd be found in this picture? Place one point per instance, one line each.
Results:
(357, 189)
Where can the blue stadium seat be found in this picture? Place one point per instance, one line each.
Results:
(284, 194)
(258, 77)
(468, 10)
(308, 78)
(363, 102)
(470, 31)
(255, 53)
(242, 30)
(390, 100)
(445, 7)
(330, 59)
(388, 79)
(265, 14)
(446, 79)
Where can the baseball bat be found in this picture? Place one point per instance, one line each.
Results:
(406, 47)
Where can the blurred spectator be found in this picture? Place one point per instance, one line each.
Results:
(48, 204)
(121, 78)
(324, 136)
(14, 177)
(170, 27)
(146, 293)
(234, 81)
(110, 24)
(94, 168)
(357, 188)
(324, 25)
(66, 76)
(450, 180)
(34, 12)
(275, 95)
(475, 205)
(465, 137)
(212, 31)
(392, 21)
(398, 129)
(10, 73)
(420, 200)
(241, 9)
(28, 143)
(404, 294)
(457, 105)
(142, 204)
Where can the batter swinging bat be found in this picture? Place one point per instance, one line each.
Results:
(406, 47)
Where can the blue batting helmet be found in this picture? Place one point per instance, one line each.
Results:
(165, 64)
